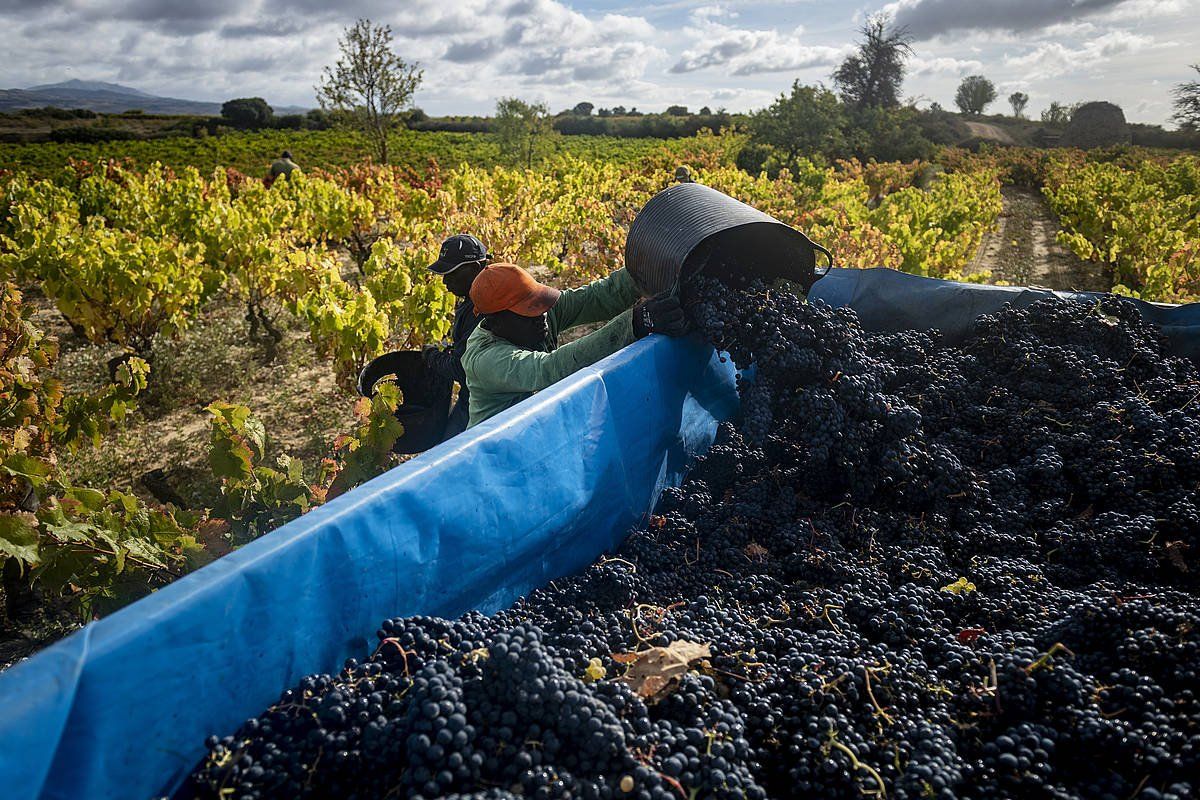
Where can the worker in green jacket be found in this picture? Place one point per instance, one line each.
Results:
(514, 352)
(283, 166)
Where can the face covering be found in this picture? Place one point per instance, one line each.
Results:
(459, 280)
(528, 333)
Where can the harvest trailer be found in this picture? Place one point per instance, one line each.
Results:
(99, 713)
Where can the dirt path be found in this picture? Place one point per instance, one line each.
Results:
(985, 130)
(1023, 251)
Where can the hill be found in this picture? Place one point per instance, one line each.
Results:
(109, 98)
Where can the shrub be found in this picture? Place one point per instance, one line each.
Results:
(1097, 124)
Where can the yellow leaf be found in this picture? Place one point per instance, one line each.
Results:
(960, 586)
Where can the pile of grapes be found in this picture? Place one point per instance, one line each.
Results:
(909, 570)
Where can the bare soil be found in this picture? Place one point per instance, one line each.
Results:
(296, 396)
(161, 453)
(1022, 249)
(985, 130)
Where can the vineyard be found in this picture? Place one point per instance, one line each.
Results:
(252, 152)
(140, 256)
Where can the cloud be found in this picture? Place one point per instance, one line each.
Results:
(1050, 59)
(943, 65)
(734, 53)
(274, 29)
(926, 19)
(749, 52)
(471, 52)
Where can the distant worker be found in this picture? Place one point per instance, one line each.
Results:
(283, 166)
(515, 351)
(461, 258)
(683, 174)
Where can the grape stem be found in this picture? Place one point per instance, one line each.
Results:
(854, 762)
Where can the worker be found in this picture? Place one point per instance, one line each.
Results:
(283, 166)
(514, 352)
(460, 259)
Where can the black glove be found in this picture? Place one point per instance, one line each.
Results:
(659, 315)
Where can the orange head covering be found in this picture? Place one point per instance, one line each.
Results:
(507, 287)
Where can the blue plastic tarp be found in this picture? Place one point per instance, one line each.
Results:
(121, 708)
(887, 300)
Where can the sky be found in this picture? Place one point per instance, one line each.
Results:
(737, 54)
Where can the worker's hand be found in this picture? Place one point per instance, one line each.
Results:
(659, 315)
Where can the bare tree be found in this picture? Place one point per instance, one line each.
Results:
(1187, 104)
(1018, 100)
(872, 77)
(369, 84)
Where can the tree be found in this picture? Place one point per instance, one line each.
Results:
(619, 111)
(676, 111)
(887, 134)
(1057, 114)
(705, 111)
(317, 119)
(808, 122)
(1018, 101)
(582, 109)
(974, 93)
(369, 84)
(247, 113)
(872, 77)
(604, 112)
(523, 130)
(1187, 104)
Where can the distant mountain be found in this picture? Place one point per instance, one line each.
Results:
(109, 98)
(89, 86)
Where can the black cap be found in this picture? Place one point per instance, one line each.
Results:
(459, 249)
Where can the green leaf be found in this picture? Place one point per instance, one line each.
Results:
(256, 432)
(33, 469)
(231, 459)
(19, 537)
(91, 499)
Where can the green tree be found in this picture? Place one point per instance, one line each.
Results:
(887, 134)
(583, 109)
(807, 122)
(369, 84)
(1187, 104)
(1057, 114)
(871, 78)
(974, 94)
(247, 113)
(524, 130)
(676, 111)
(1018, 101)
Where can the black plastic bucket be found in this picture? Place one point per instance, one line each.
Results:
(426, 398)
(688, 228)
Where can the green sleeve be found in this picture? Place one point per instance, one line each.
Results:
(598, 301)
(508, 368)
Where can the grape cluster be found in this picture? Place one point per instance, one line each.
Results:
(921, 571)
